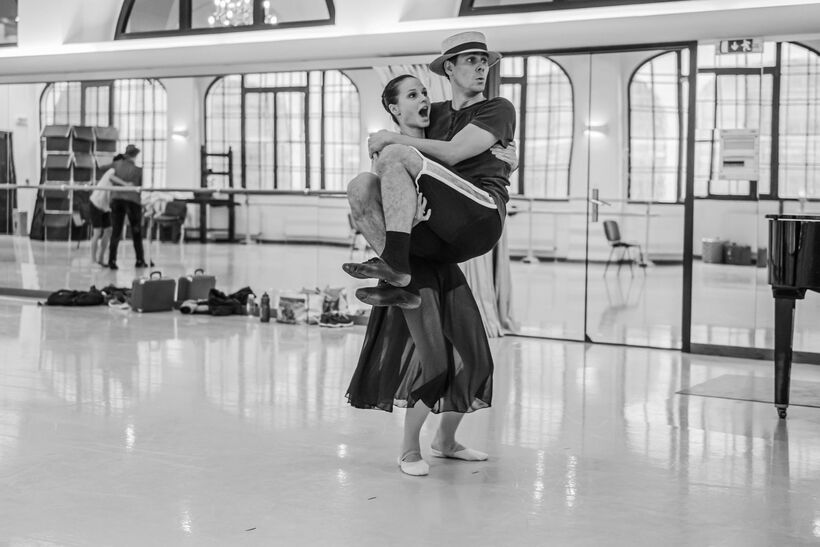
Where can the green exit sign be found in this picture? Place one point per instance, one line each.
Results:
(741, 45)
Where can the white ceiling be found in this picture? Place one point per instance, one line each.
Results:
(72, 39)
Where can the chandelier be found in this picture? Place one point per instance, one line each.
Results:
(233, 13)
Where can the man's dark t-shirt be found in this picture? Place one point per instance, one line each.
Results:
(127, 171)
(496, 116)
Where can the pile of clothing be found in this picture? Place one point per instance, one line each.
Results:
(113, 296)
(218, 303)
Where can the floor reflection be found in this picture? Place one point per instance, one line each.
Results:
(207, 427)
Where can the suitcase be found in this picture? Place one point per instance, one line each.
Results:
(195, 287)
(153, 293)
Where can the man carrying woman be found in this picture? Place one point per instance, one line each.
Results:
(428, 350)
(467, 201)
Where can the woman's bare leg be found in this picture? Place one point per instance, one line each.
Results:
(365, 198)
(95, 239)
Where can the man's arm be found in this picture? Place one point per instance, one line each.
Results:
(470, 141)
(117, 181)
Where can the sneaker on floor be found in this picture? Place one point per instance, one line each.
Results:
(335, 320)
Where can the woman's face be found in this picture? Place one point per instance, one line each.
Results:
(412, 107)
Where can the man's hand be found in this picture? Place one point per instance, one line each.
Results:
(378, 140)
(508, 155)
(422, 212)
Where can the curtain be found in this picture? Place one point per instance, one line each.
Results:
(438, 88)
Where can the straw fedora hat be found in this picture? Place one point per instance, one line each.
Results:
(463, 42)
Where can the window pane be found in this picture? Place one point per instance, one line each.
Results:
(290, 141)
(342, 133)
(151, 16)
(8, 21)
(223, 124)
(799, 145)
(655, 131)
(221, 13)
(512, 92)
(140, 115)
(164, 15)
(548, 119)
(333, 125)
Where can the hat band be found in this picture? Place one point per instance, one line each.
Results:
(467, 46)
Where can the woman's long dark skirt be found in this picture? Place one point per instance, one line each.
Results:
(437, 353)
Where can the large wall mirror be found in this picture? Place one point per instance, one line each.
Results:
(613, 145)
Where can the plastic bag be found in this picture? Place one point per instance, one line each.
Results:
(291, 308)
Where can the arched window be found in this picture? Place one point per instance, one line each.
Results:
(146, 18)
(290, 130)
(542, 95)
(657, 127)
(137, 108)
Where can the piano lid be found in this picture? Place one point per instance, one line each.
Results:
(803, 217)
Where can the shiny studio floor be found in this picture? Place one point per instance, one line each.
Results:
(162, 429)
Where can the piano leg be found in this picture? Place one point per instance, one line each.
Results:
(783, 330)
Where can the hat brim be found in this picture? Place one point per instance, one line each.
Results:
(437, 66)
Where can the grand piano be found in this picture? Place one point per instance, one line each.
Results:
(794, 268)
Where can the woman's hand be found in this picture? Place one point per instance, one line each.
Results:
(422, 212)
(508, 155)
(378, 140)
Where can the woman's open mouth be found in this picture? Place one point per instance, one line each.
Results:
(424, 111)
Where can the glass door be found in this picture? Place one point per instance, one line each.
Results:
(731, 300)
(635, 126)
(545, 230)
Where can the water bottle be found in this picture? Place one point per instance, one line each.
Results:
(264, 310)
(249, 305)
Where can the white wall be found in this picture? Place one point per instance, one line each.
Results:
(20, 114)
(185, 98)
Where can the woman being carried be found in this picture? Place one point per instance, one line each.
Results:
(434, 357)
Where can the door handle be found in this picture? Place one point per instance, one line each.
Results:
(596, 203)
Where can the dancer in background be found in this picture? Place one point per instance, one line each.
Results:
(127, 204)
(100, 212)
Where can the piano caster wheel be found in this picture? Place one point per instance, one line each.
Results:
(782, 413)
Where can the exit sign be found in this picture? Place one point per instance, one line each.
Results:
(741, 45)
